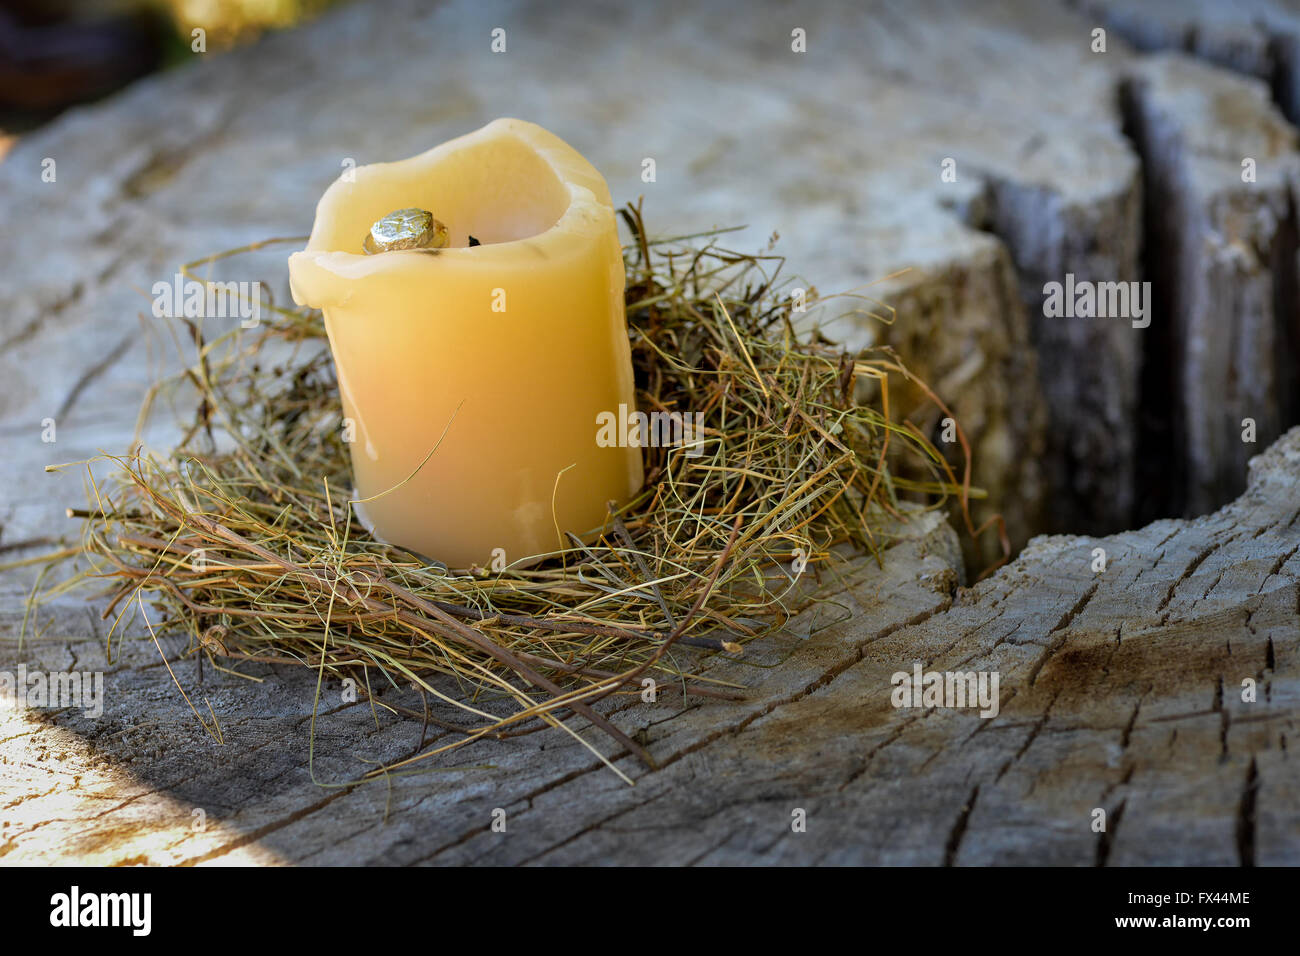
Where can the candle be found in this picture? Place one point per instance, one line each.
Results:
(476, 354)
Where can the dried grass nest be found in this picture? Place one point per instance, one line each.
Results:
(244, 538)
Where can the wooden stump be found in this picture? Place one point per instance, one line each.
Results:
(1121, 689)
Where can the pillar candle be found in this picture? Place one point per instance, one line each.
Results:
(472, 376)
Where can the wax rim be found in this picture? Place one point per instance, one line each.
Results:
(584, 216)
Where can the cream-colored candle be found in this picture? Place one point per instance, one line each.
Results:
(490, 364)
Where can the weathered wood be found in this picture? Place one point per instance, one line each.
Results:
(1120, 690)
(1224, 264)
(1259, 38)
(1221, 251)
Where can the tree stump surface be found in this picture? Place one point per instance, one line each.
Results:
(1121, 689)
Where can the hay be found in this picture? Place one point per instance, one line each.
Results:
(246, 541)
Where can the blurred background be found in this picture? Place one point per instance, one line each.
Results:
(59, 53)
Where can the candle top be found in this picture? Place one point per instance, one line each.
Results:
(512, 195)
(405, 229)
